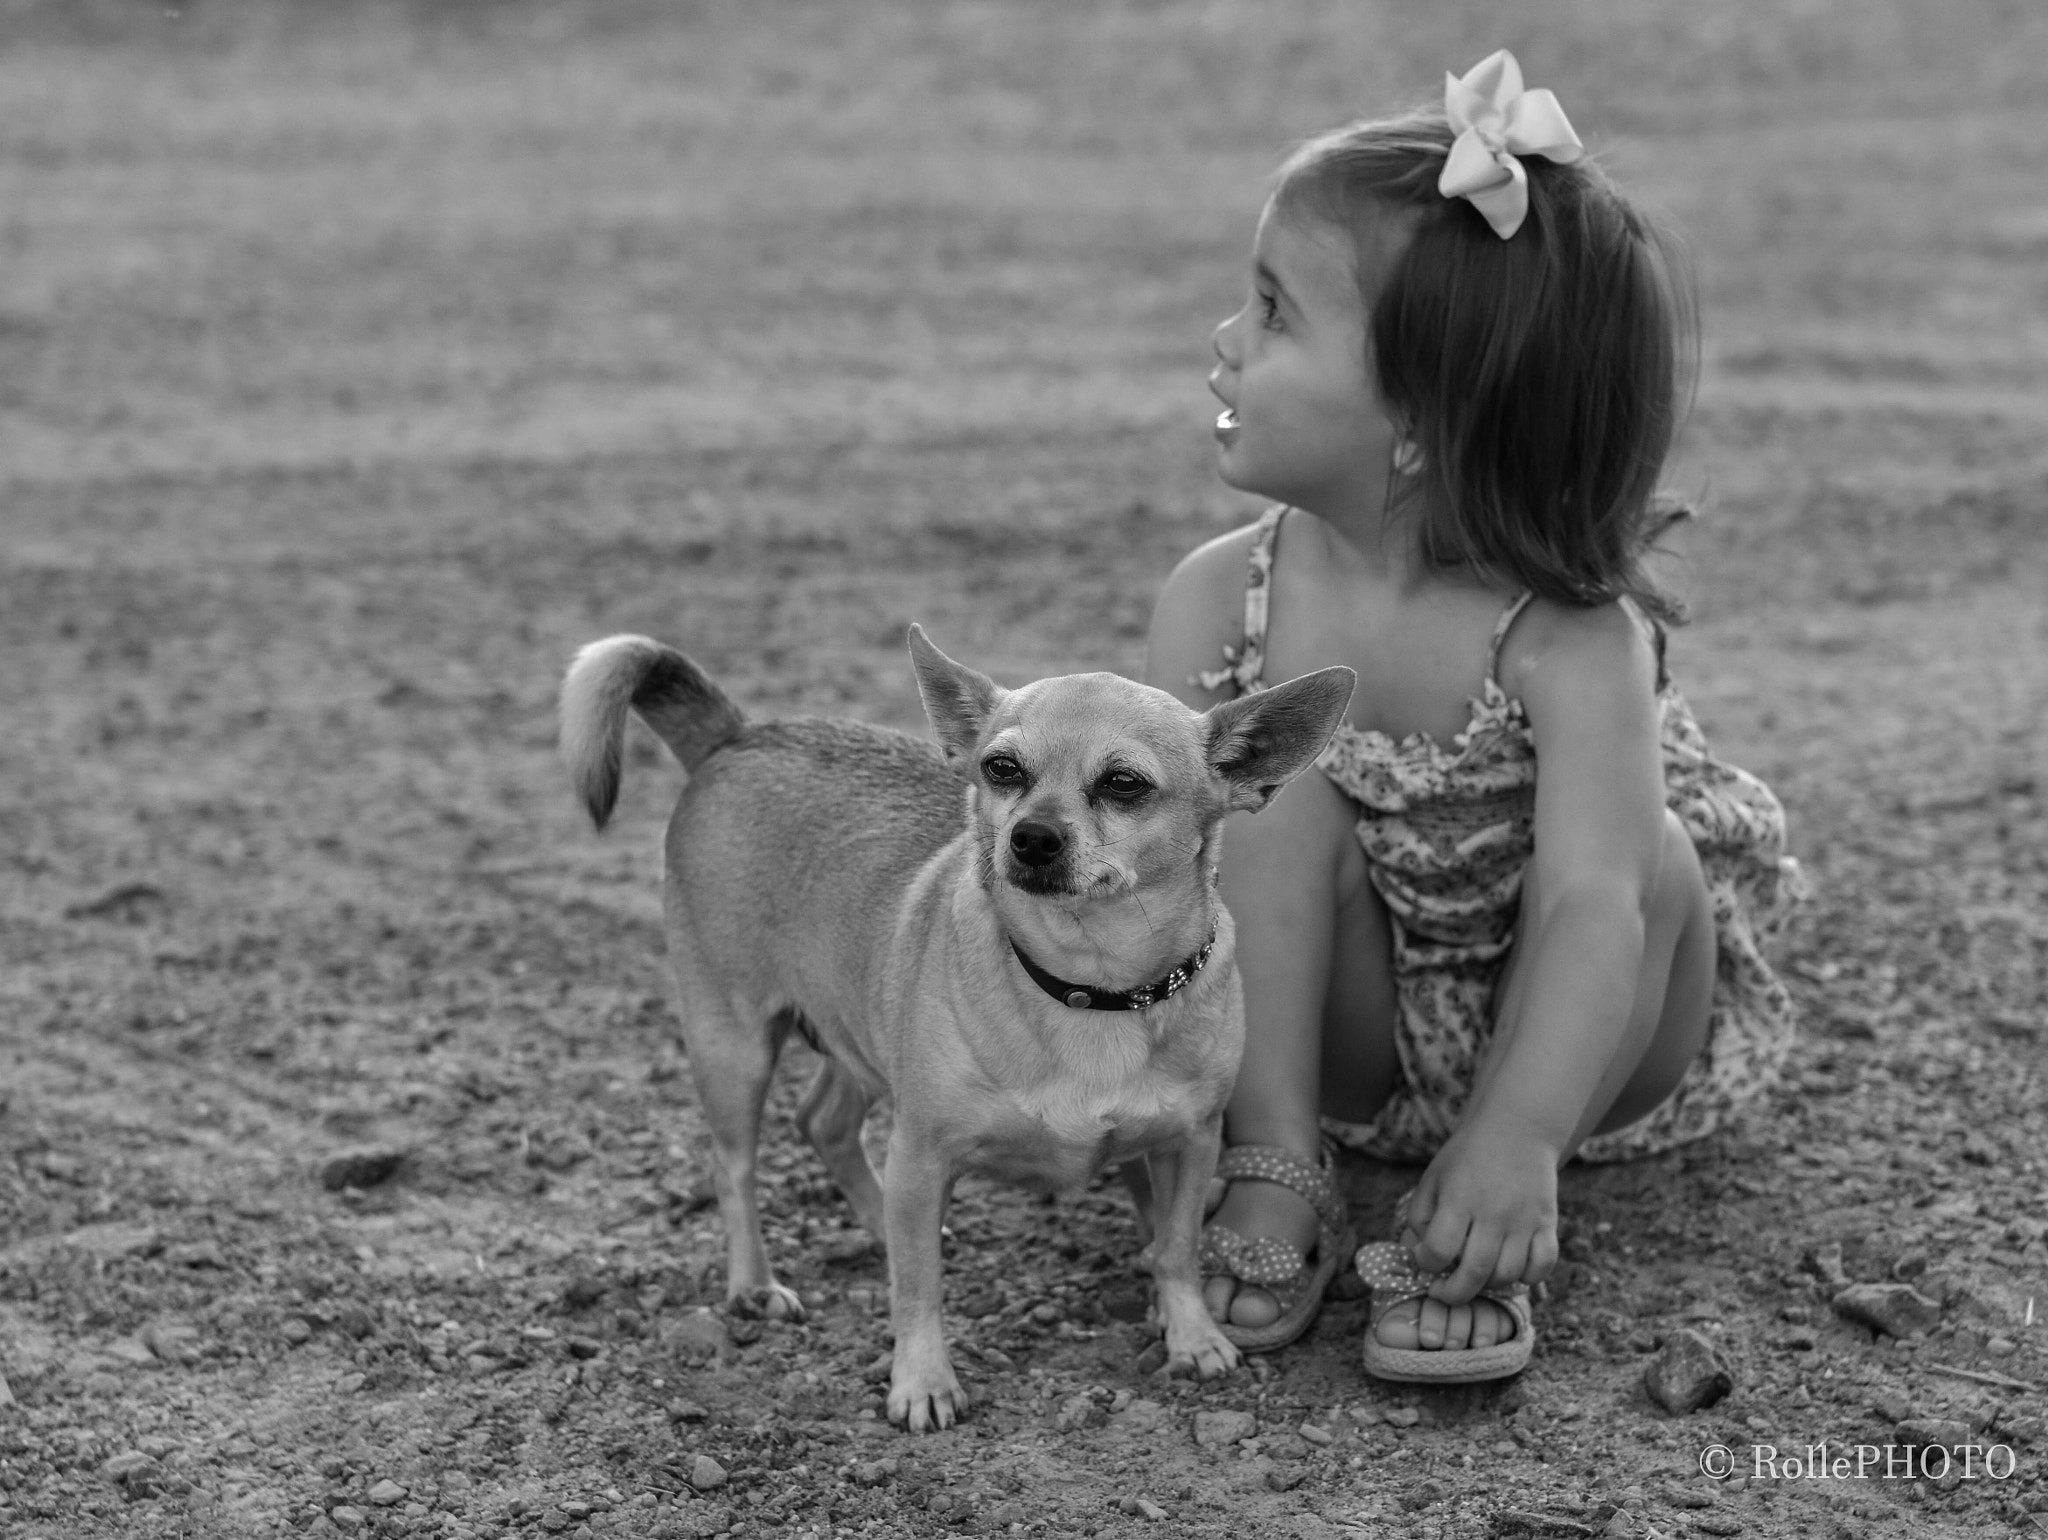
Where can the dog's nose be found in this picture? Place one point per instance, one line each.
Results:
(1036, 844)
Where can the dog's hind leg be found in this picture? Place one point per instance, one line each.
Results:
(732, 1060)
(833, 1111)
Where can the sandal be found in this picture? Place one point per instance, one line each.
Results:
(1390, 1271)
(1296, 1282)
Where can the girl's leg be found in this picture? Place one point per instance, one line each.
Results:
(1313, 949)
(1674, 990)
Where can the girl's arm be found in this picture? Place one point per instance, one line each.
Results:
(1587, 680)
(1200, 611)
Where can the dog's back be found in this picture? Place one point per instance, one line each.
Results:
(805, 827)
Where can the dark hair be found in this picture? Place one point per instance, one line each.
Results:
(1543, 377)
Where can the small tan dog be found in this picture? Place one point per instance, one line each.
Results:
(1035, 969)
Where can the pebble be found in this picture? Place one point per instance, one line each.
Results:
(1401, 1416)
(1141, 1416)
(698, 1333)
(1687, 1374)
(1141, 1508)
(127, 1465)
(1074, 1414)
(360, 1168)
(1286, 1480)
(1322, 1438)
(1943, 1431)
(346, 1519)
(1221, 1428)
(295, 1331)
(386, 1493)
(706, 1474)
(1896, 1309)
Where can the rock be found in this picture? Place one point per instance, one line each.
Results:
(1687, 1374)
(1287, 1446)
(1141, 1416)
(2001, 1347)
(977, 1304)
(687, 1411)
(584, 1291)
(360, 1168)
(1825, 1263)
(1897, 1309)
(1891, 1406)
(706, 1474)
(554, 1520)
(1075, 1413)
(1047, 1314)
(1322, 1438)
(387, 1493)
(1286, 1480)
(1141, 1508)
(584, 1347)
(128, 1465)
(295, 1331)
(111, 1242)
(1401, 1416)
(355, 1321)
(698, 1333)
(346, 1519)
(1223, 1428)
(2028, 1431)
(1421, 1496)
(1943, 1431)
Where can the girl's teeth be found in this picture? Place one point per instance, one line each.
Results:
(1227, 418)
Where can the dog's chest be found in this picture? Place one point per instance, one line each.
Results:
(1059, 1135)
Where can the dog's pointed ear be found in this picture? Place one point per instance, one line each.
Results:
(1258, 743)
(956, 698)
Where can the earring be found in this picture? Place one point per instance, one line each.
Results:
(1407, 458)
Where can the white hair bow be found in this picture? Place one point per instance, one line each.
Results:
(1497, 121)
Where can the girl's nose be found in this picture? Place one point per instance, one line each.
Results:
(1223, 341)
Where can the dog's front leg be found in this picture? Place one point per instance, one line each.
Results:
(923, 1393)
(1180, 1179)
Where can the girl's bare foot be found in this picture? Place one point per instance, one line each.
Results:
(1256, 1209)
(1430, 1323)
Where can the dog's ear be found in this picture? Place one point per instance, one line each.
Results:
(1258, 743)
(956, 698)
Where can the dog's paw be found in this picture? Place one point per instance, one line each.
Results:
(1200, 1355)
(925, 1403)
(768, 1302)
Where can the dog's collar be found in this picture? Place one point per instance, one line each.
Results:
(1082, 997)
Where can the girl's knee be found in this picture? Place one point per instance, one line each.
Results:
(1681, 885)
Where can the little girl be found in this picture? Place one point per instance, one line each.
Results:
(1458, 374)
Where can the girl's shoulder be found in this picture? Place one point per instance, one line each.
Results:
(1560, 651)
(1200, 612)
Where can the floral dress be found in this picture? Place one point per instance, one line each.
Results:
(1446, 835)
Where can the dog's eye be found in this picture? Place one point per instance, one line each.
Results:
(1124, 785)
(1002, 769)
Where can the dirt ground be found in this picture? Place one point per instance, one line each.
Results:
(359, 362)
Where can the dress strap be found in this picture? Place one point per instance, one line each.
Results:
(1245, 664)
(1508, 617)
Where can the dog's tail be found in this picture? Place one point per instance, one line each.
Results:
(686, 710)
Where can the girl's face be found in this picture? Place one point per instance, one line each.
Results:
(1302, 421)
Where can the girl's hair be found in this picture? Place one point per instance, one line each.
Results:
(1542, 377)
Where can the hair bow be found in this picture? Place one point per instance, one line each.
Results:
(1497, 121)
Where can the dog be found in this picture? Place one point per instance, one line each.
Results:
(1034, 966)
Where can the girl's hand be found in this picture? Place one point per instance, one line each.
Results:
(1487, 1203)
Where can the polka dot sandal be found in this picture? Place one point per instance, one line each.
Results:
(1387, 1267)
(1296, 1282)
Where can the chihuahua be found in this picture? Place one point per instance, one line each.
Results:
(1033, 967)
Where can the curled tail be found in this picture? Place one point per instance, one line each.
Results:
(686, 710)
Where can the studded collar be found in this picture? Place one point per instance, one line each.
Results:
(1084, 997)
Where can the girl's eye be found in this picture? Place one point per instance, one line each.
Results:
(1269, 311)
(1125, 786)
(1002, 769)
